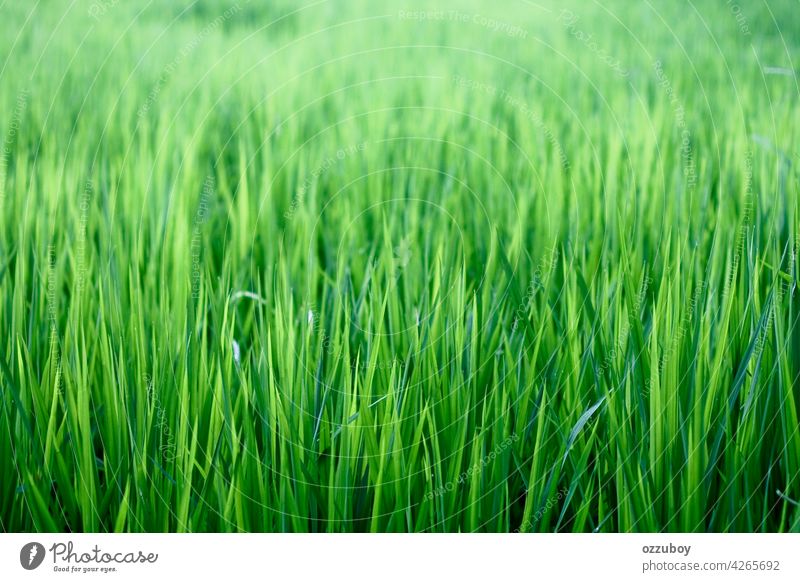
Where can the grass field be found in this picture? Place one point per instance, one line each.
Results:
(379, 266)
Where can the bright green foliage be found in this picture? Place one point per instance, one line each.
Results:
(339, 267)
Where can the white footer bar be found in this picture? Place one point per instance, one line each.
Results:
(355, 557)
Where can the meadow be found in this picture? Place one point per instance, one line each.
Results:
(374, 266)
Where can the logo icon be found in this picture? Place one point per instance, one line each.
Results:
(31, 555)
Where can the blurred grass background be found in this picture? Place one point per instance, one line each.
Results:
(380, 266)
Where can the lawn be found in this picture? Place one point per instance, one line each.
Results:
(393, 267)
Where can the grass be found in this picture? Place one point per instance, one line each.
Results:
(339, 267)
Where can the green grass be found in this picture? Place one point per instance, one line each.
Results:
(331, 267)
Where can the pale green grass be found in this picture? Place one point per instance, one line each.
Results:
(336, 268)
